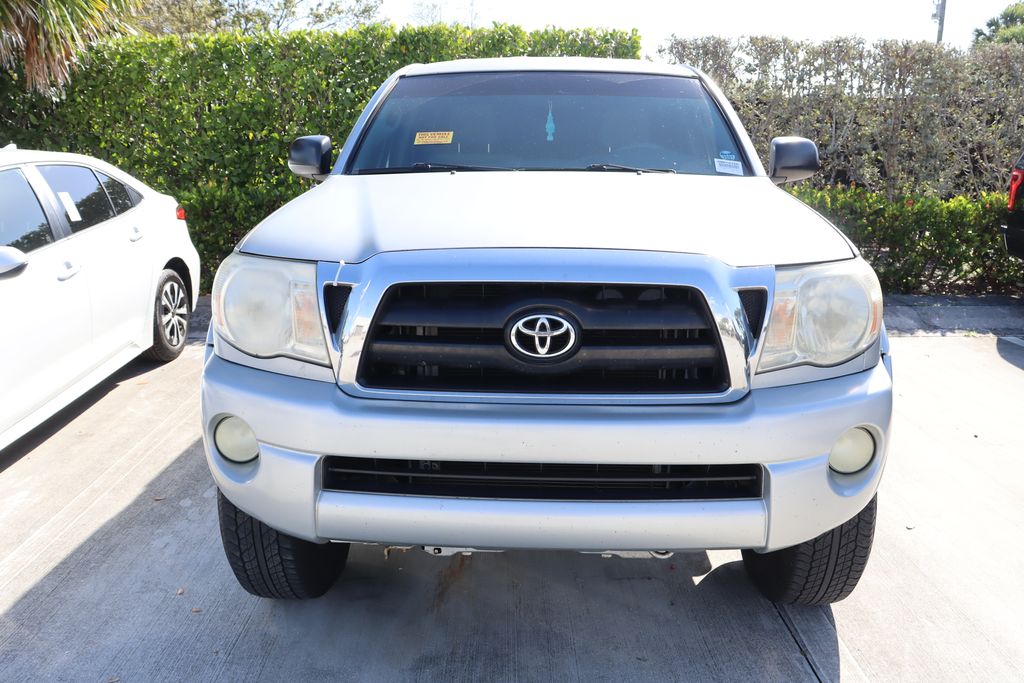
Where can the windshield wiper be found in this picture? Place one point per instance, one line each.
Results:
(631, 169)
(430, 166)
(427, 166)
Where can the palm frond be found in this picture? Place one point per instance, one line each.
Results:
(44, 36)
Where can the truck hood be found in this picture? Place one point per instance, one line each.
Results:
(742, 221)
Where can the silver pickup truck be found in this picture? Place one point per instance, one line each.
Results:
(548, 304)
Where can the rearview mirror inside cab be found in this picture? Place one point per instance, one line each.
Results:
(792, 159)
(310, 156)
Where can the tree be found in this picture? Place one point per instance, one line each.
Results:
(174, 17)
(44, 36)
(182, 17)
(430, 13)
(1008, 27)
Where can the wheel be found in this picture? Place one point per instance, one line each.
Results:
(820, 571)
(270, 564)
(170, 318)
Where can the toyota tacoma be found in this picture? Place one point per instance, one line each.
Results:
(548, 304)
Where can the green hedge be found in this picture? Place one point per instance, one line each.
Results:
(208, 119)
(924, 244)
(893, 116)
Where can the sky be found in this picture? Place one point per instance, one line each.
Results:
(656, 21)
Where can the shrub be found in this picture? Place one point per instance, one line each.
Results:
(208, 119)
(924, 244)
(897, 117)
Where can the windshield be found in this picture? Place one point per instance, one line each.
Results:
(539, 120)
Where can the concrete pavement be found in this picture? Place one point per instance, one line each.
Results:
(111, 566)
(953, 315)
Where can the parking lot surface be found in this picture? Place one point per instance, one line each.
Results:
(111, 567)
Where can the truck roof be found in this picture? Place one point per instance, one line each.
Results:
(549, 64)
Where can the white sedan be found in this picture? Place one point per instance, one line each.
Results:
(95, 269)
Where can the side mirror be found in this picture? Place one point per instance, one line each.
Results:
(792, 159)
(12, 260)
(310, 156)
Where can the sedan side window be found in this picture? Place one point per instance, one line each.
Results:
(23, 224)
(79, 194)
(117, 192)
(134, 194)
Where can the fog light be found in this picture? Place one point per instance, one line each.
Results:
(853, 451)
(235, 440)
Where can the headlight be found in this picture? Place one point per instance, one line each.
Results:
(822, 315)
(268, 307)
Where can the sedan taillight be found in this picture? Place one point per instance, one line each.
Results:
(1016, 180)
(180, 212)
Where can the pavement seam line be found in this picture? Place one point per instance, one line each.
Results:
(1014, 340)
(11, 573)
(794, 633)
(858, 673)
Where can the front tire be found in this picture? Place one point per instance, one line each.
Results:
(820, 571)
(270, 564)
(170, 318)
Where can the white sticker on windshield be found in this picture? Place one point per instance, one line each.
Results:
(69, 206)
(730, 167)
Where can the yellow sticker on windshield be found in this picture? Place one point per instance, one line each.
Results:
(434, 137)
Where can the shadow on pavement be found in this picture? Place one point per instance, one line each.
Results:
(1010, 352)
(27, 443)
(149, 596)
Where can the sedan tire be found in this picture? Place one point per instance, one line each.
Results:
(170, 318)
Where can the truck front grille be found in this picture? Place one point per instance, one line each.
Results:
(537, 481)
(335, 299)
(632, 339)
(754, 302)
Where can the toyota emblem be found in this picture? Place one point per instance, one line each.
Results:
(544, 336)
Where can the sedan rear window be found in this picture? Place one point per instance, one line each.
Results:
(117, 192)
(549, 121)
(79, 194)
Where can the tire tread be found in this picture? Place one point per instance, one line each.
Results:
(270, 564)
(820, 571)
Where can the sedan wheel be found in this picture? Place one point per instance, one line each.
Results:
(170, 318)
(173, 313)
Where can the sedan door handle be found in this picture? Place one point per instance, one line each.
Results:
(136, 234)
(70, 270)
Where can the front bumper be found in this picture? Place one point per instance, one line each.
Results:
(789, 430)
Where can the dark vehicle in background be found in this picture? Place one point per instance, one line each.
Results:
(1013, 231)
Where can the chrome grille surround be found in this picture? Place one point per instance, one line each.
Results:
(716, 281)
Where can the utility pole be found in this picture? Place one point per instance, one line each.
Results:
(940, 16)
